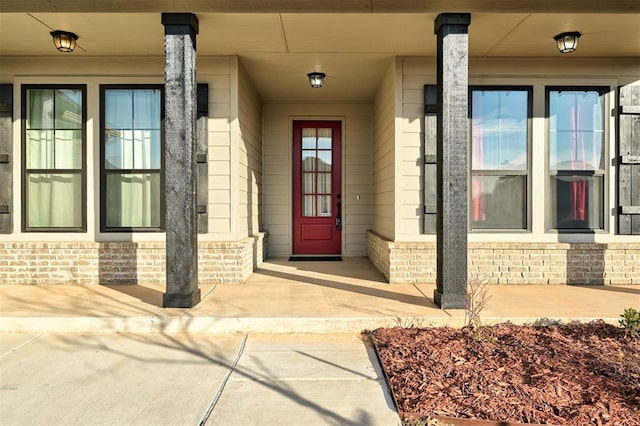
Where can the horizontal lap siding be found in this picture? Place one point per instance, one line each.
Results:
(356, 179)
(250, 156)
(384, 155)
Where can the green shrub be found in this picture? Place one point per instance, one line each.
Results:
(630, 322)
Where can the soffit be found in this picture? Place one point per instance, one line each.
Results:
(354, 50)
(323, 6)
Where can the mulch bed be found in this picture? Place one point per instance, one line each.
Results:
(586, 374)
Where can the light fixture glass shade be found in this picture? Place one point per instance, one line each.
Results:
(316, 79)
(567, 42)
(64, 41)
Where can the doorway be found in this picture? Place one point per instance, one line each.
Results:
(317, 183)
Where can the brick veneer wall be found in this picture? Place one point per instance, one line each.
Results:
(123, 262)
(512, 263)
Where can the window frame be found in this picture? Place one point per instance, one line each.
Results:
(603, 92)
(104, 171)
(527, 173)
(24, 172)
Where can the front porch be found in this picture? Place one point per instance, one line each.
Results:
(285, 297)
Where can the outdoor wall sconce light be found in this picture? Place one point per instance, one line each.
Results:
(567, 42)
(316, 79)
(64, 41)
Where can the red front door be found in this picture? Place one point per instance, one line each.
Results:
(317, 204)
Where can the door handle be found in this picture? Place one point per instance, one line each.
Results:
(339, 213)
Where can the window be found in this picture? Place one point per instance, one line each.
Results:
(53, 159)
(500, 157)
(576, 157)
(317, 151)
(132, 160)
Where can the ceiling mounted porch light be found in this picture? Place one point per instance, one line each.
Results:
(316, 79)
(567, 42)
(64, 40)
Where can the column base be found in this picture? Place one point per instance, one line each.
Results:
(176, 300)
(449, 301)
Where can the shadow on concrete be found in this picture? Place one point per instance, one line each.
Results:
(192, 345)
(361, 289)
(144, 294)
(617, 289)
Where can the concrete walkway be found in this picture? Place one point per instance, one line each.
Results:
(282, 349)
(191, 379)
(282, 297)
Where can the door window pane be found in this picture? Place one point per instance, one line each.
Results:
(308, 183)
(308, 161)
(324, 161)
(499, 157)
(309, 138)
(308, 207)
(324, 139)
(53, 150)
(324, 205)
(324, 183)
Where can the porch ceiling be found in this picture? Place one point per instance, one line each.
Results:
(353, 49)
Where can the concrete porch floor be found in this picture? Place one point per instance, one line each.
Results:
(284, 297)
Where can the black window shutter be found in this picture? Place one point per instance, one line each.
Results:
(629, 160)
(202, 146)
(6, 150)
(430, 156)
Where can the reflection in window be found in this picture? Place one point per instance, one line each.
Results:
(576, 157)
(132, 158)
(499, 157)
(317, 151)
(54, 158)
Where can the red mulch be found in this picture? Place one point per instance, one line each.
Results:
(586, 374)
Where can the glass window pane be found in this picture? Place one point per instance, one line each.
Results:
(499, 132)
(324, 161)
(308, 138)
(40, 149)
(324, 205)
(146, 104)
(119, 149)
(308, 161)
(498, 202)
(324, 139)
(308, 206)
(45, 152)
(576, 136)
(68, 106)
(146, 147)
(68, 149)
(308, 183)
(40, 109)
(55, 200)
(324, 183)
(118, 109)
(577, 202)
(133, 200)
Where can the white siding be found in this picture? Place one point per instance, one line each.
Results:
(249, 156)
(219, 74)
(416, 72)
(384, 154)
(356, 178)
